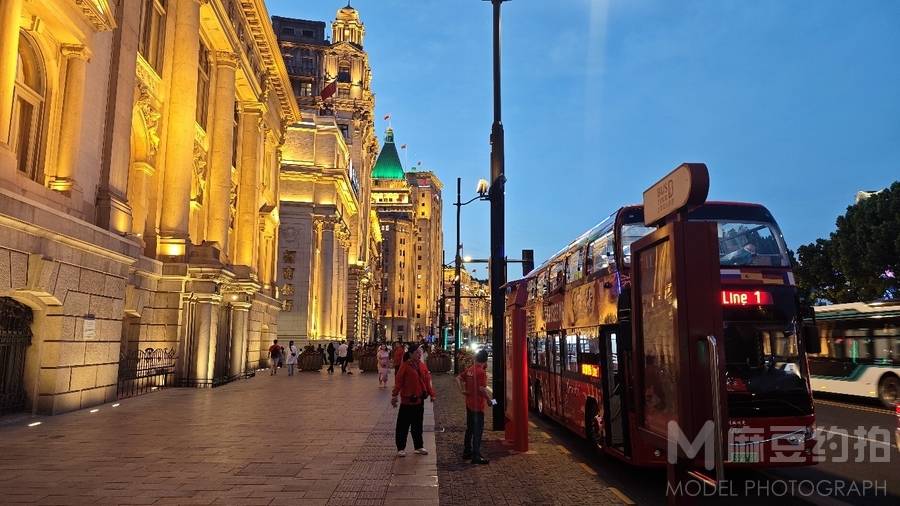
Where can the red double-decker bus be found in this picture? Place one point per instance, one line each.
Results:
(581, 372)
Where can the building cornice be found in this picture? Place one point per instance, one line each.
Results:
(260, 25)
(98, 13)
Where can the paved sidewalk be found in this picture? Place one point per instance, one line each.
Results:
(546, 474)
(307, 439)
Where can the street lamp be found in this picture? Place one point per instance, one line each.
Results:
(482, 190)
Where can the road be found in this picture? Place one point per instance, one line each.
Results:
(648, 486)
(836, 418)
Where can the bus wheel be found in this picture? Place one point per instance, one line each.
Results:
(889, 390)
(592, 425)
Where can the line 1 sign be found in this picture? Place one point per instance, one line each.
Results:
(687, 185)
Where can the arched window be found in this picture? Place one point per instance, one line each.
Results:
(28, 109)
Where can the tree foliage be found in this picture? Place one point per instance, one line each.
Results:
(861, 259)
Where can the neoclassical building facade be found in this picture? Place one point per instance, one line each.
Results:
(331, 81)
(140, 143)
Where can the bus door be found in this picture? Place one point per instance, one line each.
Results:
(614, 406)
(555, 376)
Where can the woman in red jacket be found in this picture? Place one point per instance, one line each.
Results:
(413, 384)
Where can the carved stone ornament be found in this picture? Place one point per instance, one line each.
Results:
(151, 116)
(198, 184)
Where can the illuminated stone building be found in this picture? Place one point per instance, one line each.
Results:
(409, 212)
(314, 63)
(429, 245)
(474, 307)
(139, 149)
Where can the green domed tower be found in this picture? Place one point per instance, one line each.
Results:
(388, 165)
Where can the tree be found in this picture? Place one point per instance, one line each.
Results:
(867, 242)
(861, 259)
(818, 276)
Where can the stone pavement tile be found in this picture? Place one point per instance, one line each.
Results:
(224, 445)
(510, 477)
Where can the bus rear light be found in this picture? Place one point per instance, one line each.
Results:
(746, 298)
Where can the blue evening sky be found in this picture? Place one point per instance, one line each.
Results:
(793, 104)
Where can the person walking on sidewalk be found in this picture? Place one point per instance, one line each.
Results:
(275, 352)
(384, 365)
(330, 351)
(473, 384)
(293, 353)
(322, 354)
(342, 356)
(399, 352)
(349, 359)
(412, 385)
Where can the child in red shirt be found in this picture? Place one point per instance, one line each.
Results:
(473, 383)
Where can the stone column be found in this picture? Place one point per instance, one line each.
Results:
(219, 217)
(113, 210)
(142, 173)
(205, 330)
(327, 286)
(179, 163)
(10, 13)
(70, 124)
(240, 314)
(248, 189)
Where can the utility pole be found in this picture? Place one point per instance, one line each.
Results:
(456, 280)
(498, 247)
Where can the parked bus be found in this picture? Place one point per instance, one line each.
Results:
(860, 352)
(581, 373)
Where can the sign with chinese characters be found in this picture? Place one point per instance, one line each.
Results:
(686, 185)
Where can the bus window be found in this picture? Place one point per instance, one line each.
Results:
(541, 352)
(575, 265)
(602, 250)
(556, 358)
(750, 243)
(556, 275)
(532, 288)
(630, 233)
(542, 284)
(531, 357)
(572, 353)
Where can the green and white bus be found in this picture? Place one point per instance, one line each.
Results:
(860, 351)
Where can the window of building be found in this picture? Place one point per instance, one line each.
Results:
(308, 34)
(28, 110)
(303, 88)
(153, 33)
(344, 74)
(343, 92)
(203, 86)
(286, 30)
(345, 130)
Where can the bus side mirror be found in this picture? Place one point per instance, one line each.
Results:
(811, 341)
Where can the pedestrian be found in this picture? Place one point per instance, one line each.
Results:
(349, 355)
(322, 354)
(473, 384)
(412, 385)
(293, 355)
(384, 365)
(330, 351)
(342, 356)
(399, 351)
(275, 352)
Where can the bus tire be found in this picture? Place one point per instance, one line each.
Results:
(889, 390)
(591, 425)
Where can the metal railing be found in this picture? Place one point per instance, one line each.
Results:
(143, 371)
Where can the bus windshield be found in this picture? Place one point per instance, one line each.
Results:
(763, 370)
(750, 243)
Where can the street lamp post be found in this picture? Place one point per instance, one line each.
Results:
(457, 261)
(498, 247)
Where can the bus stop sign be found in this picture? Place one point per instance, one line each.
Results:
(687, 185)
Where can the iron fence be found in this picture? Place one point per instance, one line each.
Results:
(142, 371)
(15, 337)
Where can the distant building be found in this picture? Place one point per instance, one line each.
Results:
(329, 183)
(474, 307)
(409, 212)
(864, 194)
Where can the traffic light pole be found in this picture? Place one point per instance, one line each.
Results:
(498, 247)
(456, 280)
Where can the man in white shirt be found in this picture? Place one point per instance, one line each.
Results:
(342, 356)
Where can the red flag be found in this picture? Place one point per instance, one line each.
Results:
(329, 90)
